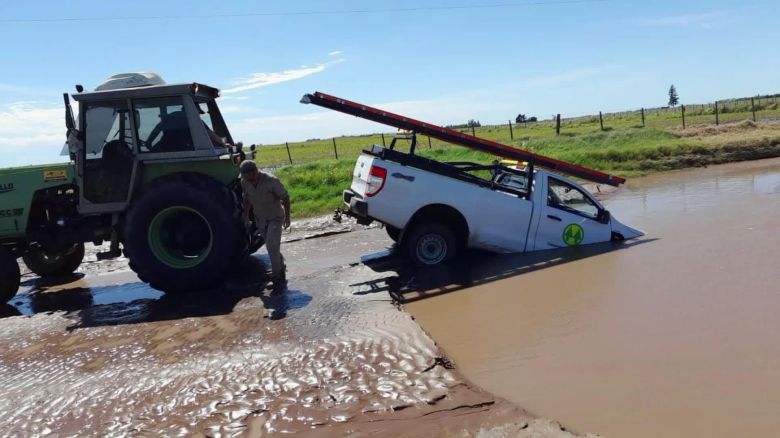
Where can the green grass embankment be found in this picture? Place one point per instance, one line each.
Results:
(659, 119)
(316, 187)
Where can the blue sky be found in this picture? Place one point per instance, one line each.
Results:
(486, 60)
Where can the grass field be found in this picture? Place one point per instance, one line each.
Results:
(660, 118)
(316, 187)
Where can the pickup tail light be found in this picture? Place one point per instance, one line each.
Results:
(376, 180)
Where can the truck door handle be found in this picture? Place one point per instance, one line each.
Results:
(555, 218)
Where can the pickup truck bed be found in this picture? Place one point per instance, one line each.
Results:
(435, 209)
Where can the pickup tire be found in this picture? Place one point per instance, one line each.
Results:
(184, 233)
(431, 244)
(10, 276)
(393, 232)
(53, 264)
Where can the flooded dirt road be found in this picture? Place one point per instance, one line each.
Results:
(676, 335)
(101, 354)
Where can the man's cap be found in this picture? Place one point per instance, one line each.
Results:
(248, 167)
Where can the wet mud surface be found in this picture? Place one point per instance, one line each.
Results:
(672, 335)
(100, 353)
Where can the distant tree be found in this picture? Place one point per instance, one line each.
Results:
(520, 118)
(473, 123)
(674, 99)
(532, 119)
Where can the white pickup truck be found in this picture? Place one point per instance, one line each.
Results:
(435, 209)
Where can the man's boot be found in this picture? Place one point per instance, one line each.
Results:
(279, 284)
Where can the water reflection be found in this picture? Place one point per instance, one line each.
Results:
(412, 283)
(135, 302)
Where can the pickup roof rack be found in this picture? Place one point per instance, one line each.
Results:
(459, 138)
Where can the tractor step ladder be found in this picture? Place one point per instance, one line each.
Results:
(459, 138)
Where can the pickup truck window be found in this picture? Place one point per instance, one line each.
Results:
(569, 198)
(512, 181)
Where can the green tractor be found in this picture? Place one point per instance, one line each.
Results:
(153, 170)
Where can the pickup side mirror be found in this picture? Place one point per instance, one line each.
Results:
(604, 216)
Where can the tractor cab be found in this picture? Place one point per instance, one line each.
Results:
(133, 120)
(153, 171)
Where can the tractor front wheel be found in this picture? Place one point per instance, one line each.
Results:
(54, 264)
(9, 276)
(184, 233)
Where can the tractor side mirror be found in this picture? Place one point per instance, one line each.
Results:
(604, 216)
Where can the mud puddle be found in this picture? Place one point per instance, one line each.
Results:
(673, 335)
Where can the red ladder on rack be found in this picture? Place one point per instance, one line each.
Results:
(459, 138)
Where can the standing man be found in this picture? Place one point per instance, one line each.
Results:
(265, 195)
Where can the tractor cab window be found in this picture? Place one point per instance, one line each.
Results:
(569, 198)
(162, 125)
(212, 119)
(107, 123)
(109, 155)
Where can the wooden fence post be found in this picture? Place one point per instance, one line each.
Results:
(288, 151)
(717, 117)
(643, 117)
(682, 110)
(472, 131)
(511, 134)
(753, 107)
(429, 142)
(601, 121)
(558, 124)
(335, 151)
(383, 140)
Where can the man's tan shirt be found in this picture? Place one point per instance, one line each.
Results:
(266, 198)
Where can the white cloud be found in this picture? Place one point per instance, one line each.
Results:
(496, 104)
(264, 79)
(567, 77)
(705, 20)
(31, 132)
(326, 124)
(335, 53)
(234, 98)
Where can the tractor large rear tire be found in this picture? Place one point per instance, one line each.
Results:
(184, 233)
(9, 276)
(47, 264)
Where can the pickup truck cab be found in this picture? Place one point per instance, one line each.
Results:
(435, 209)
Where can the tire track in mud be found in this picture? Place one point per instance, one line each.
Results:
(341, 358)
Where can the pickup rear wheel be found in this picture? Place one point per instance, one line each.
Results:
(431, 244)
(393, 232)
(9, 276)
(55, 264)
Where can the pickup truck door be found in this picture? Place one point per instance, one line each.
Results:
(569, 216)
(503, 221)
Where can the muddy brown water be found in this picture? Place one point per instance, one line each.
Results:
(674, 335)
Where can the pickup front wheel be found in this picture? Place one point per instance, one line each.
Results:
(431, 244)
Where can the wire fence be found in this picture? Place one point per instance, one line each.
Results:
(764, 108)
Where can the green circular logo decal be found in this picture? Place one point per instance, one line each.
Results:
(573, 234)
